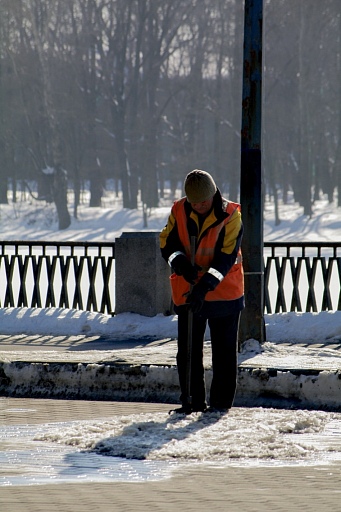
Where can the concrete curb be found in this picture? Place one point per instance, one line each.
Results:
(289, 388)
(266, 387)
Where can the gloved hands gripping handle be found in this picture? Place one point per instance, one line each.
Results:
(196, 297)
(183, 267)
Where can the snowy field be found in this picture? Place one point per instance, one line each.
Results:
(37, 220)
(244, 436)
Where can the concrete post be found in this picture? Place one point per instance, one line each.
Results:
(141, 275)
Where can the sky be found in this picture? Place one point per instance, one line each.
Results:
(310, 339)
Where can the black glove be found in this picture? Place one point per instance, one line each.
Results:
(195, 299)
(183, 267)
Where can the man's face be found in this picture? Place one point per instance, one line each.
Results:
(202, 207)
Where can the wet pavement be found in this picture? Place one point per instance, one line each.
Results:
(74, 485)
(38, 477)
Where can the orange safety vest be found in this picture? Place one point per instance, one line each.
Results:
(232, 286)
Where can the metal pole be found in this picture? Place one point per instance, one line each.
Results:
(251, 194)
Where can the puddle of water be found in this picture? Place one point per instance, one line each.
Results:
(45, 464)
(27, 462)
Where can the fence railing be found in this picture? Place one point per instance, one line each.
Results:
(298, 276)
(302, 276)
(76, 275)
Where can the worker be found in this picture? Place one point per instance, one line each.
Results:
(210, 285)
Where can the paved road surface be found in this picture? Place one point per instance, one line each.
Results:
(198, 488)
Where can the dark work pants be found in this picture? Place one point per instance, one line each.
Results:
(224, 342)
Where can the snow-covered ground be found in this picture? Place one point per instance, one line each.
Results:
(281, 435)
(37, 220)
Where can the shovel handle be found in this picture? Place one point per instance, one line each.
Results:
(190, 334)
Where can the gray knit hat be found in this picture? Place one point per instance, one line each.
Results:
(199, 186)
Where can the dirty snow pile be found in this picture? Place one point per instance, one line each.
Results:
(240, 435)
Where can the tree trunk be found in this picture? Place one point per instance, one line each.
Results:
(3, 190)
(60, 197)
(77, 193)
(303, 148)
(53, 151)
(337, 162)
(96, 190)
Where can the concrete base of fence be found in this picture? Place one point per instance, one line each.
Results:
(118, 382)
(299, 389)
(288, 388)
(141, 275)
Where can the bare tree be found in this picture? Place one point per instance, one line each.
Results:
(142, 91)
(43, 22)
